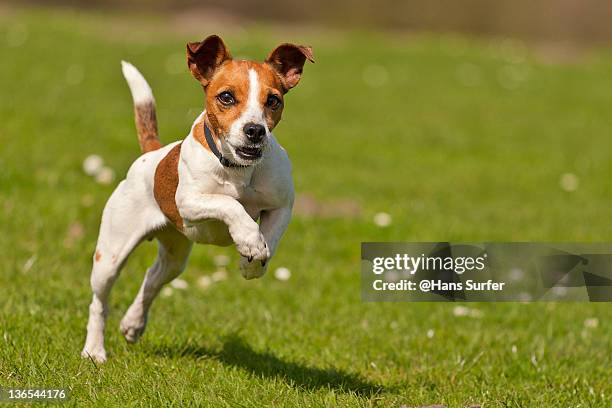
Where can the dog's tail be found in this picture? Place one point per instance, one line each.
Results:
(144, 108)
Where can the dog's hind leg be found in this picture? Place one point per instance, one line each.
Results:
(124, 225)
(172, 257)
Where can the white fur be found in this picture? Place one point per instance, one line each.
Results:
(218, 206)
(141, 91)
(253, 113)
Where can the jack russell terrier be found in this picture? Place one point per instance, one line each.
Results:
(209, 188)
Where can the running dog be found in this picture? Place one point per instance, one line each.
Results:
(210, 188)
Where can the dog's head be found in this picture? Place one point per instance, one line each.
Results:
(244, 99)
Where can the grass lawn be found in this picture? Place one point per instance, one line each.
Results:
(457, 139)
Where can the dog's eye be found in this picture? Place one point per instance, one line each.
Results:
(273, 102)
(226, 98)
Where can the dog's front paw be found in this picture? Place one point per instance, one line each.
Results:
(97, 354)
(252, 269)
(252, 246)
(132, 327)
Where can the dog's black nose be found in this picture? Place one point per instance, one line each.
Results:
(254, 132)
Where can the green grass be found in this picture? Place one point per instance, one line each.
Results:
(465, 141)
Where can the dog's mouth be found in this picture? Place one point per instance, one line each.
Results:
(249, 153)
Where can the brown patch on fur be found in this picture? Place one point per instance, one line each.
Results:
(203, 58)
(213, 123)
(269, 84)
(210, 62)
(232, 76)
(198, 134)
(98, 256)
(146, 127)
(165, 185)
(288, 61)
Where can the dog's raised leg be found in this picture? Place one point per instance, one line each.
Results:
(121, 231)
(273, 225)
(245, 233)
(172, 257)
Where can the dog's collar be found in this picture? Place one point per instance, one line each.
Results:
(213, 148)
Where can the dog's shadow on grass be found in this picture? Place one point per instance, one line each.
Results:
(237, 353)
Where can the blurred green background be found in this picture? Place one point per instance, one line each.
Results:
(567, 20)
(487, 131)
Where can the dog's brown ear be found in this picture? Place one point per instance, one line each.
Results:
(203, 58)
(288, 60)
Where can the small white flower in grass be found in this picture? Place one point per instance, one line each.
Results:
(382, 219)
(179, 284)
(569, 182)
(430, 333)
(514, 349)
(591, 323)
(93, 164)
(29, 263)
(219, 276)
(221, 260)
(282, 274)
(516, 274)
(460, 311)
(105, 176)
(204, 281)
(167, 291)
